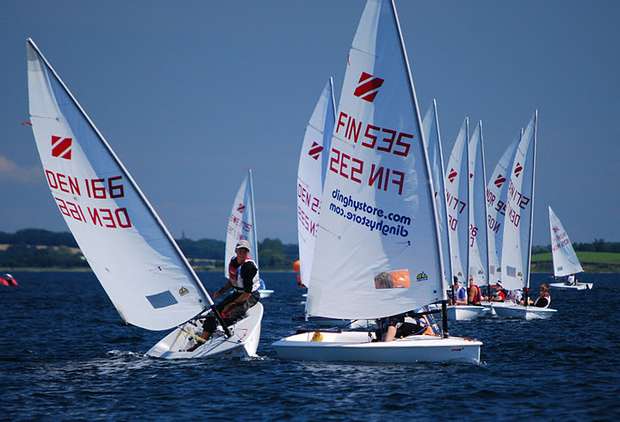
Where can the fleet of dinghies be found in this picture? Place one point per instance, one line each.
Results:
(384, 228)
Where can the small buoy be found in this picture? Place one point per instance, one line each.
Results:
(296, 266)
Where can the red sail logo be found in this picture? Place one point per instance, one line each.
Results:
(518, 169)
(240, 207)
(368, 87)
(315, 150)
(452, 175)
(499, 181)
(61, 147)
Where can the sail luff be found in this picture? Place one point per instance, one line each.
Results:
(125, 172)
(486, 211)
(469, 204)
(450, 273)
(255, 245)
(424, 143)
(529, 244)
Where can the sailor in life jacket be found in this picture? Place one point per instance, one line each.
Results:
(244, 280)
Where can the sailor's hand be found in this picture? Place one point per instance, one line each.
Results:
(215, 295)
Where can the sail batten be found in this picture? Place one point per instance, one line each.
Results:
(131, 252)
(377, 250)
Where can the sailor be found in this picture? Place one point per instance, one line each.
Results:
(474, 296)
(500, 293)
(8, 280)
(244, 280)
(393, 327)
(459, 294)
(571, 280)
(544, 297)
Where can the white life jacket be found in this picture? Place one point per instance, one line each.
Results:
(237, 282)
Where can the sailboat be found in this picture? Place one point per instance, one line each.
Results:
(565, 261)
(458, 202)
(242, 225)
(377, 250)
(136, 260)
(518, 227)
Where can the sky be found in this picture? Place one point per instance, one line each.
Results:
(191, 94)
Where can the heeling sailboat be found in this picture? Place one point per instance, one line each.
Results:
(565, 261)
(518, 226)
(458, 205)
(242, 225)
(377, 251)
(136, 260)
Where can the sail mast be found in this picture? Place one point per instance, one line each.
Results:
(426, 161)
(125, 173)
(446, 283)
(253, 216)
(486, 216)
(467, 139)
(529, 244)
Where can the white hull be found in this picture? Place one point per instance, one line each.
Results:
(465, 312)
(356, 346)
(511, 310)
(265, 293)
(243, 342)
(578, 286)
(490, 311)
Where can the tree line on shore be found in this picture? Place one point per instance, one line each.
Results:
(45, 249)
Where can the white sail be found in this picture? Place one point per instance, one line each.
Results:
(478, 257)
(457, 198)
(377, 251)
(518, 221)
(432, 134)
(497, 187)
(565, 261)
(139, 265)
(311, 176)
(241, 223)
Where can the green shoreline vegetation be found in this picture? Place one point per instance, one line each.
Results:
(43, 250)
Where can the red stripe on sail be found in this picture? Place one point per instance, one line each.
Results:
(315, 150)
(368, 83)
(61, 147)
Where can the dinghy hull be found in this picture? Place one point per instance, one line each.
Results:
(578, 286)
(504, 310)
(465, 312)
(357, 347)
(243, 342)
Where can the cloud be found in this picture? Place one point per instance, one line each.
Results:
(10, 170)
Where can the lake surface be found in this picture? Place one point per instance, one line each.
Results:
(65, 354)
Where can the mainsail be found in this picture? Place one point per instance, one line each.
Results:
(565, 261)
(496, 210)
(518, 221)
(139, 265)
(241, 223)
(377, 250)
(311, 176)
(478, 250)
(430, 125)
(457, 198)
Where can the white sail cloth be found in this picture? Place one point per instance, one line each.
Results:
(432, 134)
(565, 261)
(497, 187)
(478, 250)
(377, 251)
(241, 223)
(130, 251)
(457, 198)
(518, 220)
(311, 176)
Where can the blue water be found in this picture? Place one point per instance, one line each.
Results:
(65, 354)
